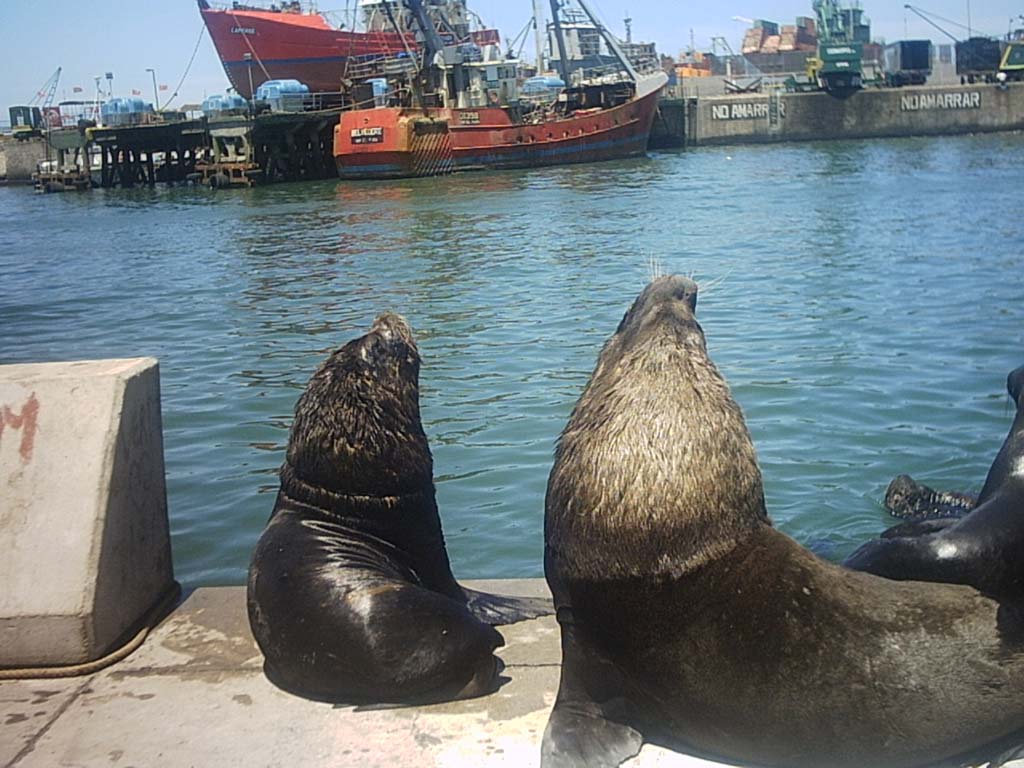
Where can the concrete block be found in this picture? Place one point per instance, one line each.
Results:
(83, 508)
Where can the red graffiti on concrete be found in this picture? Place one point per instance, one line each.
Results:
(27, 421)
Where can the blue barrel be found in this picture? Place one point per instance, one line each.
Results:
(275, 89)
(543, 84)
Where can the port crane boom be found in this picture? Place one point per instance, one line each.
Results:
(924, 16)
(45, 95)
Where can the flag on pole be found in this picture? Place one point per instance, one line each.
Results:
(164, 88)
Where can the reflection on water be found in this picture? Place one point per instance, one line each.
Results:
(867, 313)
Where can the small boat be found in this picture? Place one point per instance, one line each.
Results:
(465, 112)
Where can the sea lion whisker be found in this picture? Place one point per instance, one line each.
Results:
(655, 268)
(713, 284)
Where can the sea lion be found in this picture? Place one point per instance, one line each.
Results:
(689, 621)
(984, 548)
(351, 596)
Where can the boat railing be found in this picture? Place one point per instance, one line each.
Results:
(280, 6)
(366, 67)
(604, 75)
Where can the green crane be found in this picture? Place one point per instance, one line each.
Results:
(838, 67)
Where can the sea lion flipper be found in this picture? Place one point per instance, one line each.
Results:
(581, 739)
(499, 610)
(590, 723)
(1012, 757)
(907, 499)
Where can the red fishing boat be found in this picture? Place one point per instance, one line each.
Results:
(463, 111)
(395, 142)
(286, 42)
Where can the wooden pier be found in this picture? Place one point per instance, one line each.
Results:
(270, 148)
(149, 154)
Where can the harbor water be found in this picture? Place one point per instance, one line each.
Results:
(865, 300)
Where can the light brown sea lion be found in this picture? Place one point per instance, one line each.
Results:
(689, 621)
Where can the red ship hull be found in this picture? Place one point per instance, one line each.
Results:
(401, 143)
(288, 46)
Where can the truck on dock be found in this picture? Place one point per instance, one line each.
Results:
(907, 62)
(1012, 63)
(978, 58)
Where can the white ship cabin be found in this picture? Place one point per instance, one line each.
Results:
(375, 18)
(488, 84)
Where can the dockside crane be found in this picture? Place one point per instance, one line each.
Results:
(838, 67)
(980, 57)
(927, 18)
(29, 120)
(44, 96)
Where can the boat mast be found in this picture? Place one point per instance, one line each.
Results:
(431, 78)
(539, 31)
(609, 38)
(563, 59)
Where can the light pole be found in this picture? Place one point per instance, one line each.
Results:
(99, 112)
(540, 28)
(156, 93)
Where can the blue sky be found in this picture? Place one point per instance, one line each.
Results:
(127, 36)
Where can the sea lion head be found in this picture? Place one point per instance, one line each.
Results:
(1015, 385)
(902, 497)
(357, 428)
(655, 473)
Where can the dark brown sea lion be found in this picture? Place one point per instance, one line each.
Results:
(689, 621)
(351, 595)
(984, 548)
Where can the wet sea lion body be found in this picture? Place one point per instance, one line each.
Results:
(984, 548)
(687, 620)
(351, 595)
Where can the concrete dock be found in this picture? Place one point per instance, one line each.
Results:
(195, 695)
(775, 117)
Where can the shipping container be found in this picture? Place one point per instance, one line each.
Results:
(908, 62)
(978, 56)
(909, 56)
(26, 118)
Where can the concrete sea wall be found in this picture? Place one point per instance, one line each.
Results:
(19, 159)
(872, 113)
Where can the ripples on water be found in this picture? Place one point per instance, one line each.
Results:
(869, 309)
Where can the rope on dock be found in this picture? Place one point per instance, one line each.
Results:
(149, 622)
(188, 69)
